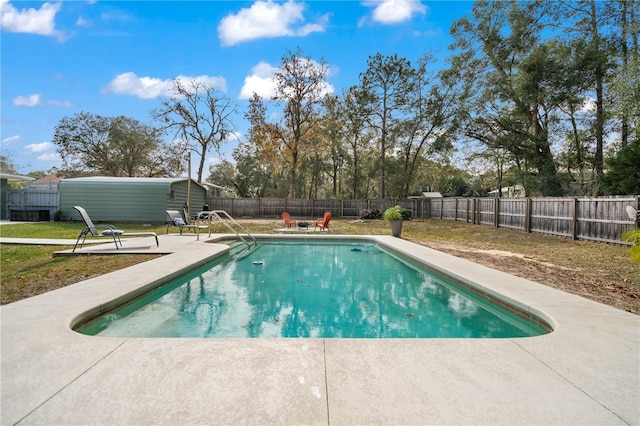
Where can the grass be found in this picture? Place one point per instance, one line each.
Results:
(600, 272)
(28, 270)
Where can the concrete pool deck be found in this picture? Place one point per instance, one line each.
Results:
(587, 371)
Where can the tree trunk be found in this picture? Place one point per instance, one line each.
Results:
(599, 74)
(292, 176)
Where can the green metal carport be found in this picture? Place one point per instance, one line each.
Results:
(123, 199)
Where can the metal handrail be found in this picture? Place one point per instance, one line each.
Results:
(217, 214)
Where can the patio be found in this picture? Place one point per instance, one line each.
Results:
(585, 372)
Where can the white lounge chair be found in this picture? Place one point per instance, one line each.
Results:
(110, 231)
(175, 218)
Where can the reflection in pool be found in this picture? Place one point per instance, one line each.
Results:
(311, 289)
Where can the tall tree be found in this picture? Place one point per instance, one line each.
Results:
(625, 84)
(113, 146)
(385, 89)
(331, 137)
(576, 155)
(429, 123)
(514, 83)
(590, 17)
(199, 116)
(356, 138)
(300, 88)
(265, 149)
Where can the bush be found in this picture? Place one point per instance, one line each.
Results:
(370, 214)
(633, 237)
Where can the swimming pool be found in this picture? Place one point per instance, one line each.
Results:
(326, 289)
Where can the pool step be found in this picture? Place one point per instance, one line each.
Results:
(239, 250)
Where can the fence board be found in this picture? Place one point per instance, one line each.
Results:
(485, 210)
(604, 219)
(553, 216)
(511, 213)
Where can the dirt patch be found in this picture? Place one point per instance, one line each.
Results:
(495, 253)
(594, 284)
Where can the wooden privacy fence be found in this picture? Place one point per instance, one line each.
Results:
(593, 219)
(273, 207)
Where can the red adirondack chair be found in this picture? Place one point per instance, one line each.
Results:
(323, 223)
(287, 220)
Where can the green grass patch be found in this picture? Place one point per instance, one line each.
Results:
(64, 230)
(29, 270)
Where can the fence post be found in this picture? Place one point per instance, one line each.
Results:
(527, 215)
(455, 210)
(474, 206)
(441, 207)
(574, 220)
(496, 212)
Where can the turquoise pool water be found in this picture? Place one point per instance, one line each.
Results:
(312, 289)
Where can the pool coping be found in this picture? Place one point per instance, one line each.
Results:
(587, 371)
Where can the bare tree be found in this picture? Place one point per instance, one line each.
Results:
(198, 115)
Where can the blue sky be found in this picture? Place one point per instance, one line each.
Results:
(119, 57)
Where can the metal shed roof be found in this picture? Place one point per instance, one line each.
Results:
(132, 180)
(14, 177)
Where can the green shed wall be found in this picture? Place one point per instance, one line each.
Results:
(181, 191)
(123, 200)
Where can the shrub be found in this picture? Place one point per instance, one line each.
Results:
(633, 236)
(370, 214)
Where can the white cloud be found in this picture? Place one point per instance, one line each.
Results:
(39, 147)
(220, 83)
(11, 139)
(51, 156)
(267, 19)
(129, 83)
(82, 22)
(32, 21)
(389, 12)
(27, 101)
(260, 81)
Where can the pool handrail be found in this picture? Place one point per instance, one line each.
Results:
(218, 215)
